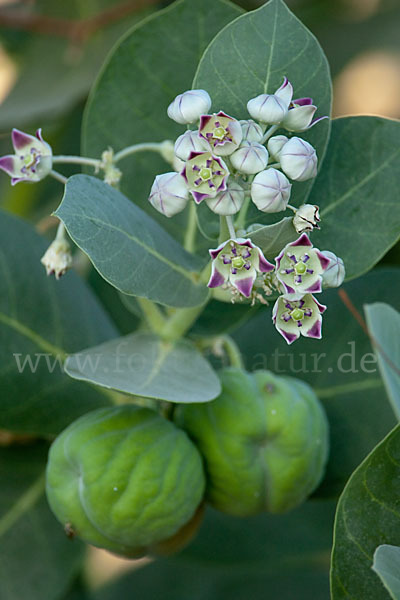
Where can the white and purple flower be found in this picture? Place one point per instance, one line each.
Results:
(222, 132)
(237, 262)
(302, 316)
(206, 175)
(299, 267)
(300, 115)
(32, 160)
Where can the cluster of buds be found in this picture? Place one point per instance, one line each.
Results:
(300, 271)
(224, 159)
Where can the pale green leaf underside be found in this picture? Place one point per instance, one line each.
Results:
(384, 325)
(368, 515)
(128, 248)
(253, 54)
(357, 191)
(387, 566)
(143, 365)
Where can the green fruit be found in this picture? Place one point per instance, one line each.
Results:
(264, 441)
(125, 479)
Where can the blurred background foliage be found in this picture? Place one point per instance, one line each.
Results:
(52, 50)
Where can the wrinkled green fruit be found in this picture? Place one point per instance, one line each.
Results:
(127, 480)
(264, 441)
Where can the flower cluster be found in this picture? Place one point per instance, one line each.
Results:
(224, 161)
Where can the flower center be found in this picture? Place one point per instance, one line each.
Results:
(297, 314)
(205, 173)
(219, 133)
(238, 262)
(296, 311)
(300, 268)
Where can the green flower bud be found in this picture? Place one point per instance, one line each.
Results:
(126, 480)
(264, 441)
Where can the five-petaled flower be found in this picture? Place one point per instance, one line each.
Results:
(302, 316)
(205, 175)
(299, 267)
(222, 132)
(32, 160)
(237, 262)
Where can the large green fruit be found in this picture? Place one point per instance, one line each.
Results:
(125, 479)
(264, 441)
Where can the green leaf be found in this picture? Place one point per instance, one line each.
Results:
(272, 238)
(251, 56)
(153, 63)
(144, 365)
(37, 560)
(367, 516)
(384, 325)
(340, 367)
(387, 566)
(128, 248)
(266, 556)
(357, 192)
(41, 320)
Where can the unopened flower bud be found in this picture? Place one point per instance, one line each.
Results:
(306, 218)
(188, 142)
(270, 191)
(335, 273)
(275, 145)
(167, 151)
(228, 202)
(189, 106)
(57, 258)
(250, 158)
(252, 131)
(298, 159)
(169, 194)
(222, 132)
(271, 108)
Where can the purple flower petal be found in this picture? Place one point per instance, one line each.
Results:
(289, 337)
(315, 331)
(263, 265)
(198, 197)
(216, 278)
(244, 285)
(315, 121)
(315, 287)
(303, 240)
(325, 261)
(21, 140)
(7, 164)
(214, 253)
(303, 101)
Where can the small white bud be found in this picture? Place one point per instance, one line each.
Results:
(189, 106)
(57, 258)
(188, 142)
(298, 159)
(270, 191)
(250, 158)
(169, 194)
(306, 218)
(334, 274)
(228, 202)
(252, 131)
(271, 108)
(275, 145)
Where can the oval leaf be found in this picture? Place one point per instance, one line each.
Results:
(253, 54)
(144, 365)
(387, 566)
(368, 515)
(357, 192)
(128, 248)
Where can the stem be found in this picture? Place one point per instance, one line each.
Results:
(79, 160)
(231, 228)
(154, 317)
(293, 208)
(274, 166)
(191, 229)
(233, 352)
(241, 219)
(180, 322)
(268, 133)
(60, 235)
(146, 147)
(58, 176)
